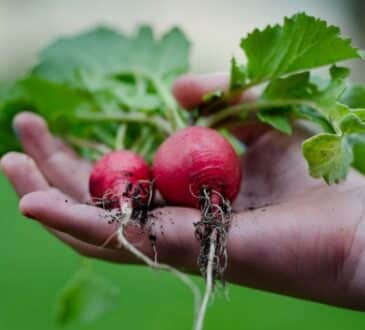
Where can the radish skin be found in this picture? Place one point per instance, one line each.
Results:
(118, 177)
(192, 159)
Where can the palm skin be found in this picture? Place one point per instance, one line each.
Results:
(290, 234)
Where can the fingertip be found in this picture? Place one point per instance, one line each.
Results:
(187, 91)
(13, 161)
(9, 159)
(190, 89)
(36, 201)
(27, 204)
(28, 120)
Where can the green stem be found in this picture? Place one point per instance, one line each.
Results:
(141, 84)
(172, 107)
(173, 116)
(132, 117)
(146, 147)
(119, 140)
(82, 143)
(239, 109)
(104, 136)
(140, 141)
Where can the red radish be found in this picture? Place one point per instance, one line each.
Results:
(198, 167)
(123, 178)
(119, 178)
(192, 159)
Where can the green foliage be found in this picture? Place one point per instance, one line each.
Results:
(238, 75)
(329, 156)
(104, 77)
(302, 42)
(277, 118)
(105, 52)
(86, 298)
(282, 55)
(354, 96)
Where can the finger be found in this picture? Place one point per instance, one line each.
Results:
(61, 167)
(25, 177)
(23, 173)
(172, 228)
(189, 89)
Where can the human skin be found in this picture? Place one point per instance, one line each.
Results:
(290, 233)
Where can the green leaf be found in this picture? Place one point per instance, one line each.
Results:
(86, 298)
(100, 50)
(352, 124)
(359, 157)
(301, 43)
(335, 88)
(277, 118)
(171, 55)
(238, 75)
(55, 102)
(359, 113)
(328, 156)
(52, 100)
(310, 101)
(106, 52)
(116, 93)
(304, 112)
(296, 86)
(354, 96)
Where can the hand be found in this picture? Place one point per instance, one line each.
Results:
(291, 234)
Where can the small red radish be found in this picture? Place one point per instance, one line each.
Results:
(192, 159)
(119, 178)
(123, 178)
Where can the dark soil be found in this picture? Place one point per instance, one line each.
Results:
(214, 224)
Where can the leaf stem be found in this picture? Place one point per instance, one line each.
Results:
(135, 117)
(119, 140)
(83, 143)
(172, 107)
(235, 110)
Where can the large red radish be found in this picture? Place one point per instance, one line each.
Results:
(198, 167)
(194, 159)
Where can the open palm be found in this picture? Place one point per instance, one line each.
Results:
(291, 234)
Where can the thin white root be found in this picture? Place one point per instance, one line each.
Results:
(208, 285)
(159, 266)
(126, 211)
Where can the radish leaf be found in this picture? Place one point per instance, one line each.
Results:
(86, 298)
(301, 43)
(106, 52)
(328, 156)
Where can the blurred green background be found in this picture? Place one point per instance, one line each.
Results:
(34, 266)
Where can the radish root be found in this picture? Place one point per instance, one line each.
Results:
(160, 266)
(212, 231)
(209, 285)
(127, 215)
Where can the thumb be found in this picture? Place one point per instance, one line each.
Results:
(189, 89)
